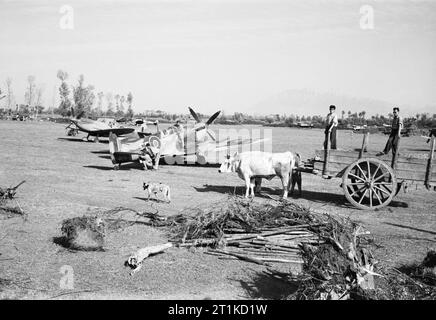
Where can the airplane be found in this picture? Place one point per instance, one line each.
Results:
(95, 128)
(176, 143)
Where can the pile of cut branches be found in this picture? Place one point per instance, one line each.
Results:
(399, 284)
(121, 217)
(345, 268)
(246, 230)
(341, 268)
(425, 271)
(235, 216)
(408, 282)
(6, 196)
(336, 260)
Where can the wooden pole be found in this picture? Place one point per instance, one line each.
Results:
(228, 146)
(364, 144)
(240, 256)
(428, 172)
(326, 155)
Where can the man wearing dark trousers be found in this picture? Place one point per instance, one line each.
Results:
(394, 137)
(331, 126)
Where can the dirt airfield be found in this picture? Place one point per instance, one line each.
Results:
(66, 177)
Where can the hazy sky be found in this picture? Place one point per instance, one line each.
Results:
(224, 54)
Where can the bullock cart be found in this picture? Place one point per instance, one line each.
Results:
(370, 181)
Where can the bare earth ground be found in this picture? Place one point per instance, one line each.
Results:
(66, 177)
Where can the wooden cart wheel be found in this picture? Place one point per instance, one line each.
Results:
(369, 183)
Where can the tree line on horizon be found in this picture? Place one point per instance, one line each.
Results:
(85, 101)
(75, 100)
(80, 99)
(346, 119)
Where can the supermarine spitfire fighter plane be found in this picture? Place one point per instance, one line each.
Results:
(96, 128)
(175, 142)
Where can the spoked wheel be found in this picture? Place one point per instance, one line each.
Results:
(369, 184)
(71, 132)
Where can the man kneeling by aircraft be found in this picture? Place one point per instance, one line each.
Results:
(149, 157)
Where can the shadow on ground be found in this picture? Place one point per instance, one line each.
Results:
(124, 166)
(81, 140)
(338, 200)
(234, 190)
(410, 228)
(162, 162)
(63, 242)
(100, 167)
(315, 196)
(271, 285)
(151, 199)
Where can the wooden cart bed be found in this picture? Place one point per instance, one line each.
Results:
(410, 165)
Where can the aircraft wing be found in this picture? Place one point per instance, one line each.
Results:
(216, 152)
(210, 147)
(224, 144)
(106, 132)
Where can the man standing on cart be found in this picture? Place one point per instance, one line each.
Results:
(394, 137)
(332, 125)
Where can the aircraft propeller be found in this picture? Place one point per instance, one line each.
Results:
(194, 115)
(204, 125)
(212, 119)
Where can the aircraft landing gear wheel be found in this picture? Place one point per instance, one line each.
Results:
(201, 159)
(71, 132)
(116, 167)
(369, 183)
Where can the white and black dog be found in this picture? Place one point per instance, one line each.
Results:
(155, 188)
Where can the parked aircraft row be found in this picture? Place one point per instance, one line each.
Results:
(132, 144)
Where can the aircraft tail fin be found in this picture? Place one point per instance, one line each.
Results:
(80, 115)
(77, 116)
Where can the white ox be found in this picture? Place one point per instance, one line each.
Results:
(252, 166)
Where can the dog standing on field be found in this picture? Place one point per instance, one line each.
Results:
(155, 188)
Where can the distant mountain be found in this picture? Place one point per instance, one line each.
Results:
(307, 102)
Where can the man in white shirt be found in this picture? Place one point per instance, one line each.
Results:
(331, 126)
